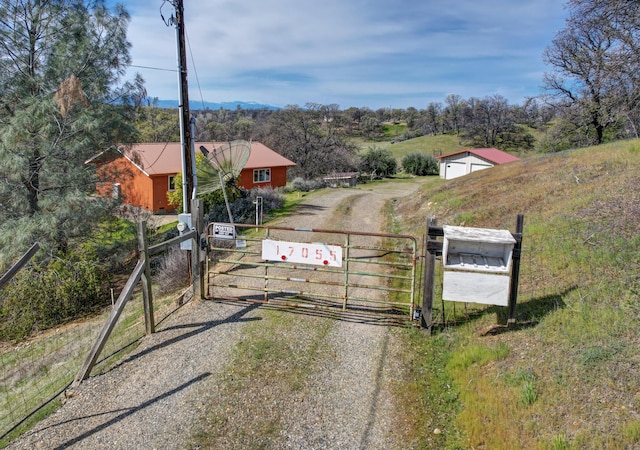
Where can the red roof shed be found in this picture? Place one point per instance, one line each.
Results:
(463, 162)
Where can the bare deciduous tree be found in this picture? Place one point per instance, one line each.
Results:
(311, 138)
(595, 65)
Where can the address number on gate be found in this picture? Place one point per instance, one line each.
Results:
(295, 252)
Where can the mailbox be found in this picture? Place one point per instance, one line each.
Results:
(477, 265)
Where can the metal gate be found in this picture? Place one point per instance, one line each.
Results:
(356, 272)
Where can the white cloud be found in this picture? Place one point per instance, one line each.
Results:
(294, 51)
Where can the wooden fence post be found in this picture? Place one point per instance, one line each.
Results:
(107, 328)
(197, 266)
(19, 265)
(141, 272)
(515, 270)
(426, 318)
(147, 294)
(204, 254)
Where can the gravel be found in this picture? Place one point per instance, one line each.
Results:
(158, 396)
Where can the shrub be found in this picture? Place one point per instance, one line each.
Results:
(378, 162)
(243, 209)
(172, 270)
(420, 164)
(48, 294)
(301, 185)
(271, 199)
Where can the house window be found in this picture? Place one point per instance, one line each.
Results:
(172, 182)
(261, 175)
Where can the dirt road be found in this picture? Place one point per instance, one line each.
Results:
(163, 395)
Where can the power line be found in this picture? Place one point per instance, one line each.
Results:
(166, 144)
(195, 70)
(153, 68)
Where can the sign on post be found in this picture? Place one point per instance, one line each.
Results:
(317, 254)
(224, 231)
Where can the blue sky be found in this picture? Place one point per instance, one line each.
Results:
(363, 53)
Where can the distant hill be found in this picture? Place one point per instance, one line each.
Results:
(198, 105)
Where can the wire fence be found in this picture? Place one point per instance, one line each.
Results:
(36, 372)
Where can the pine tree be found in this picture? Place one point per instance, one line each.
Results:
(61, 101)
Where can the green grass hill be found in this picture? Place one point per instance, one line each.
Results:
(440, 144)
(567, 376)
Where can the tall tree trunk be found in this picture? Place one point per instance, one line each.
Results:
(32, 182)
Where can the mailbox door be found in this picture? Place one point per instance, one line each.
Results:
(472, 287)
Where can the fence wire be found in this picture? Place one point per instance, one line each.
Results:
(35, 372)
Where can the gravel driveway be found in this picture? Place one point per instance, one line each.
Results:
(157, 397)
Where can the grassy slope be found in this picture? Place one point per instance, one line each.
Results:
(569, 375)
(431, 145)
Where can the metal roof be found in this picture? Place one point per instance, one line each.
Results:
(165, 158)
(490, 154)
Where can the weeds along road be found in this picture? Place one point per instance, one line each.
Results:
(243, 376)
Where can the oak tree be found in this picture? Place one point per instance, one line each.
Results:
(595, 64)
(313, 139)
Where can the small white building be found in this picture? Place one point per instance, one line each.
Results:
(464, 162)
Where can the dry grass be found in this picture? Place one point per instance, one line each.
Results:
(571, 378)
(172, 270)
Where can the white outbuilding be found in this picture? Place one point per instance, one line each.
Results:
(464, 162)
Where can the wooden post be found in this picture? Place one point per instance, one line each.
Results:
(125, 295)
(143, 267)
(202, 233)
(429, 276)
(196, 270)
(19, 265)
(515, 270)
(147, 294)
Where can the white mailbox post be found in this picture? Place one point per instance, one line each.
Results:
(477, 265)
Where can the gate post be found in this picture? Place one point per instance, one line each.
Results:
(197, 261)
(515, 270)
(426, 319)
(347, 247)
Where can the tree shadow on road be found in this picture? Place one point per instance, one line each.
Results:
(196, 328)
(125, 412)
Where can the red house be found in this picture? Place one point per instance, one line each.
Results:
(141, 175)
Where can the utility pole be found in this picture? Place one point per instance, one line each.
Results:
(186, 137)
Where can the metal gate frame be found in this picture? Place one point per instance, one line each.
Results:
(378, 274)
